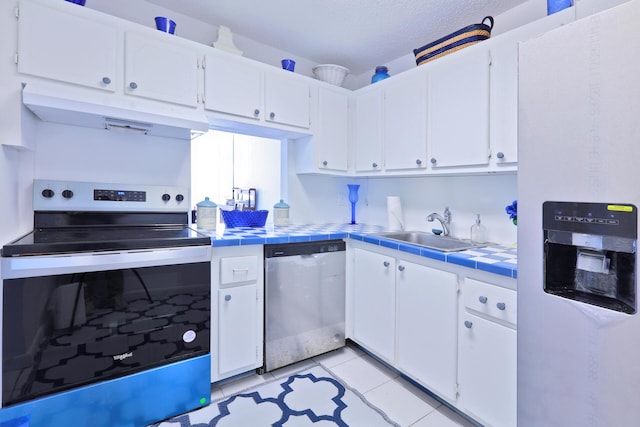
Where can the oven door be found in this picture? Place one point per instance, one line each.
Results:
(70, 320)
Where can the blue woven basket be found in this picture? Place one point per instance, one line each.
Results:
(455, 41)
(244, 218)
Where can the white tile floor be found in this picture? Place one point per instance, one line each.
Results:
(402, 401)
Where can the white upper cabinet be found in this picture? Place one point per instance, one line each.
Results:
(332, 131)
(248, 90)
(367, 130)
(233, 87)
(287, 99)
(160, 70)
(504, 87)
(404, 122)
(458, 119)
(60, 46)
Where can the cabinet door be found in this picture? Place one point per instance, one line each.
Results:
(232, 87)
(374, 303)
(368, 130)
(405, 124)
(160, 70)
(504, 86)
(287, 99)
(331, 130)
(458, 120)
(427, 326)
(65, 47)
(237, 330)
(488, 370)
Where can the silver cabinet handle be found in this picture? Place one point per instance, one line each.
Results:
(386, 263)
(106, 80)
(227, 297)
(418, 162)
(325, 163)
(468, 324)
(256, 112)
(433, 161)
(401, 267)
(133, 85)
(483, 299)
(500, 155)
(272, 115)
(374, 165)
(501, 306)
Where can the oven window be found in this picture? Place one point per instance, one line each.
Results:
(68, 330)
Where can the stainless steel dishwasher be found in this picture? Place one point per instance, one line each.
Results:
(304, 301)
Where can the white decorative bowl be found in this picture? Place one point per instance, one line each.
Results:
(331, 73)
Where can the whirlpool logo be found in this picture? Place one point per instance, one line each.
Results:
(123, 356)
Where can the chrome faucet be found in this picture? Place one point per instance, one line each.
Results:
(446, 221)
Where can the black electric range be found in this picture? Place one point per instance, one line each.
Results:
(88, 217)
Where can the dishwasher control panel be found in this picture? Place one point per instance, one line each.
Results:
(303, 248)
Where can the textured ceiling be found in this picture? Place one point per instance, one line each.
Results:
(358, 34)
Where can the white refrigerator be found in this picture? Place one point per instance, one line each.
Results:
(579, 143)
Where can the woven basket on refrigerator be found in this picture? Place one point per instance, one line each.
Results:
(455, 41)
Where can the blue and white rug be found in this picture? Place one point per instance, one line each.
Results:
(314, 397)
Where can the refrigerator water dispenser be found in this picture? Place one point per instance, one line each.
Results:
(590, 253)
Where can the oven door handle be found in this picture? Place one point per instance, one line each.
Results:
(45, 265)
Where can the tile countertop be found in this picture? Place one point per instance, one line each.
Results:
(497, 259)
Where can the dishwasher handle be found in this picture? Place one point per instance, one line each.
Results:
(304, 248)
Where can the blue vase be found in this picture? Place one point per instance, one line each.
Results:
(554, 6)
(353, 198)
(381, 73)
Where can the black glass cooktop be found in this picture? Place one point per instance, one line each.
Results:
(67, 238)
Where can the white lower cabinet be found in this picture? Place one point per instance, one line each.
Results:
(237, 327)
(427, 316)
(447, 327)
(406, 313)
(237, 288)
(487, 357)
(374, 297)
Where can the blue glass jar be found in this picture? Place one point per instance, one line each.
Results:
(381, 73)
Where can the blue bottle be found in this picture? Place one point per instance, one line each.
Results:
(381, 73)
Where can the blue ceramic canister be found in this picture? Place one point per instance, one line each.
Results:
(381, 73)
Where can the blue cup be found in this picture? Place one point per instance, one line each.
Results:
(165, 25)
(554, 6)
(288, 64)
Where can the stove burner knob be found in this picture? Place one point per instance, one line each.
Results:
(67, 194)
(179, 197)
(47, 193)
(166, 197)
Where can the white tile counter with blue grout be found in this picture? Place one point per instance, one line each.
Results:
(496, 259)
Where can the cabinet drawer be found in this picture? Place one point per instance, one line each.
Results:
(238, 269)
(490, 300)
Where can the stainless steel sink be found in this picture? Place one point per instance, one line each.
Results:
(431, 241)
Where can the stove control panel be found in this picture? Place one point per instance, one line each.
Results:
(52, 195)
(120, 195)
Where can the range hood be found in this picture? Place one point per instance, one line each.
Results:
(110, 111)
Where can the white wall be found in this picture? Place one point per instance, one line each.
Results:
(85, 154)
